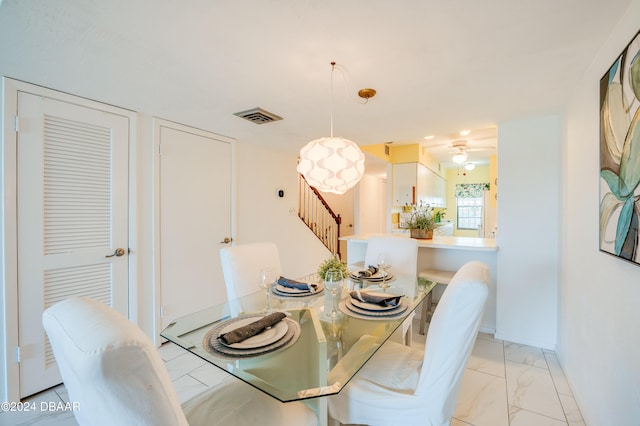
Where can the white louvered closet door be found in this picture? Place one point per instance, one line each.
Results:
(72, 213)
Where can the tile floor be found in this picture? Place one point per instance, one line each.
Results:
(505, 384)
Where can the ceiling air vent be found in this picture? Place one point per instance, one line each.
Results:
(258, 116)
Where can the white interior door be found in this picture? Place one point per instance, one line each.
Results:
(72, 213)
(195, 218)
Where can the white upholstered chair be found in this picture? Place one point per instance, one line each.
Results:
(111, 368)
(241, 266)
(403, 253)
(406, 386)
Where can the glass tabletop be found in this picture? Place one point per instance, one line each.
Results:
(315, 356)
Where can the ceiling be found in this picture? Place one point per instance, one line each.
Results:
(438, 66)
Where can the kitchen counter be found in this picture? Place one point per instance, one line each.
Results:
(442, 242)
(446, 253)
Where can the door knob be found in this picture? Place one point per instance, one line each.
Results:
(226, 240)
(119, 252)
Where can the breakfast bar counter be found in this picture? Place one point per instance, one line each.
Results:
(442, 252)
(442, 242)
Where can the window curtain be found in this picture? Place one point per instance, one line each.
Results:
(471, 190)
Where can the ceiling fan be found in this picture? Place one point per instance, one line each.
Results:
(460, 149)
(478, 144)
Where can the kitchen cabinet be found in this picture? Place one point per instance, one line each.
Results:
(413, 183)
(443, 229)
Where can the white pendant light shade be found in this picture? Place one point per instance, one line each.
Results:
(331, 164)
(460, 157)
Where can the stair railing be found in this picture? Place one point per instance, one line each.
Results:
(316, 213)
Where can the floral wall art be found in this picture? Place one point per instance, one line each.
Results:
(620, 155)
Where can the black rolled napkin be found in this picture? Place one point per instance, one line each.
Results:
(250, 330)
(286, 282)
(371, 271)
(376, 299)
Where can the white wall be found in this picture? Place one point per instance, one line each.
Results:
(599, 333)
(528, 181)
(370, 205)
(262, 216)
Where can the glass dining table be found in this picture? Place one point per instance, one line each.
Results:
(318, 353)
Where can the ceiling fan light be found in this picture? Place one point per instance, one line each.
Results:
(469, 166)
(460, 157)
(331, 164)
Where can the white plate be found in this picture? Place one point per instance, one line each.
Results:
(371, 306)
(270, 335)
(282, 291)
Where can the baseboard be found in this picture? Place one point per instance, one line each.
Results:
(517, 339)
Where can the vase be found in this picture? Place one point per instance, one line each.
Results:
(421, 233)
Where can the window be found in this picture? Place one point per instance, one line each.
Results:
(469, 213)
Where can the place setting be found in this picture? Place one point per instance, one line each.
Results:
(375, 274)
(371, 274)
(252, 335)
(375, 305)
(285, 287)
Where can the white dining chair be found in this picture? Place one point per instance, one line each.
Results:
(405, 386)
(241, 266)
(115, 374)
(403, 253)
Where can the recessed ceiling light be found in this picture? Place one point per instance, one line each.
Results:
(464, 132)
(429, 137)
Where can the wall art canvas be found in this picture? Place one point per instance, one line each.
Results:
(620, 155)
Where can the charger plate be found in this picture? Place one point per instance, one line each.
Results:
(376, 278)
(282, 291)
(212, 345)
(353, 311)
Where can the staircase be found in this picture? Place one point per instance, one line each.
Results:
(318, 216)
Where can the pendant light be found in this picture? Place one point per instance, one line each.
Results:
(331, 164)
(460, 157)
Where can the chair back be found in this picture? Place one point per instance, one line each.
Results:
(110, 367)
(450, 340)
(241, 266)
(403, 253)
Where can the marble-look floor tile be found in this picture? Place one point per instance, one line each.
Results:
(482, 400)
(210, 375)
(524, 354)
(520, 417)
(169, 351)
(187, 387)
(488, 336)
(487, 357)
(183, 365)
(456, 422)
(571, 410)
(62, 393)
(38, 416)
(557, 374)
(532, 389)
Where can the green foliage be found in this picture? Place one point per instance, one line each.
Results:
(422, 218)
(332, 263)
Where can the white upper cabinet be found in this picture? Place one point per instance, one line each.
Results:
(413, 183)
(404, 184)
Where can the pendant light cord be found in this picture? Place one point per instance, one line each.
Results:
(333, 65)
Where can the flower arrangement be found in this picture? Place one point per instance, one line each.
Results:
(422, 218)
(422, 222)
(333, 262)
